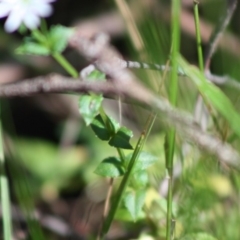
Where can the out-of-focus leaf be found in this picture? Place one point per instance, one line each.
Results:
(58, 38)
(221, 185)
(144, 160)
(32, 48)
(134, 201)
(139, 179)
(198, 236)
(110, 167)
(42, 158)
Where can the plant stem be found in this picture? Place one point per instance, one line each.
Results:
(170, 140)
(5, 195)
(123, 186)
(57, 56)
(198, 36)
(65, 64)
(125, 180)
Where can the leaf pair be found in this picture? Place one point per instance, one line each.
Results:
(114, 167)
(110, 131)
(54, 41)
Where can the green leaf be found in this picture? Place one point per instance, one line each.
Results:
(144, 160)
(32, 48)
(99, 128)
(123, 214)
(121, 139)
(134, 201)
(198, 236)
(46, 161)
(114, 124)
(89, 107)
(58, 38)
(110, 167)
(214, 96)
(96, 75)
(139, 179)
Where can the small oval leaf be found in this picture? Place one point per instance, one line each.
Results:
(140, 179)
(89, 107)
(32, 48)
(110, 167)
(99, 128)
(144, 160)
(121, 139)
(134, 201)
(58, 38)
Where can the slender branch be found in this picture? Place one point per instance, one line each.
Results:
(218, 32)
(123, 82)
(54, 83)
(183, 121)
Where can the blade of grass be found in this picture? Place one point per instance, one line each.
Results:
(213, 95)
(125, 180)
(123, 185)
(5, 193)
(198, 36)
(176, 8)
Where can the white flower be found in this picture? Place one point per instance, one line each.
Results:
(27, 12)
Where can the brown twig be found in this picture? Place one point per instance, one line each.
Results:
(123, 82)
(54, 83)
(218, 31)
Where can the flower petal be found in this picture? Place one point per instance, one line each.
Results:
(5, 9)
(13, 22)
(31, 21)
(28, 12)
(44, 10)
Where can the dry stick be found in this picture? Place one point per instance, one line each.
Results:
(106, 206)
(183, 121)
(218, 32)
(201, 111)
(107, 61)
(126, 84)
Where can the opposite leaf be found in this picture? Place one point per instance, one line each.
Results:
(139, 179)
(121, 139)
(110, 167)
(144, 160)
(32, 48)
(89, 107)
(99, 128)
(134, 201)
(58, 38)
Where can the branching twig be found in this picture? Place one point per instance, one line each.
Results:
(217, 33)
(123, 82)
(54, 83)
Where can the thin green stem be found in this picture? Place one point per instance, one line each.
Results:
(65, 64)
(173, 91)
(198, 36)
(5, 193)
(123, 186)
(39, 36)
(125, 181)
